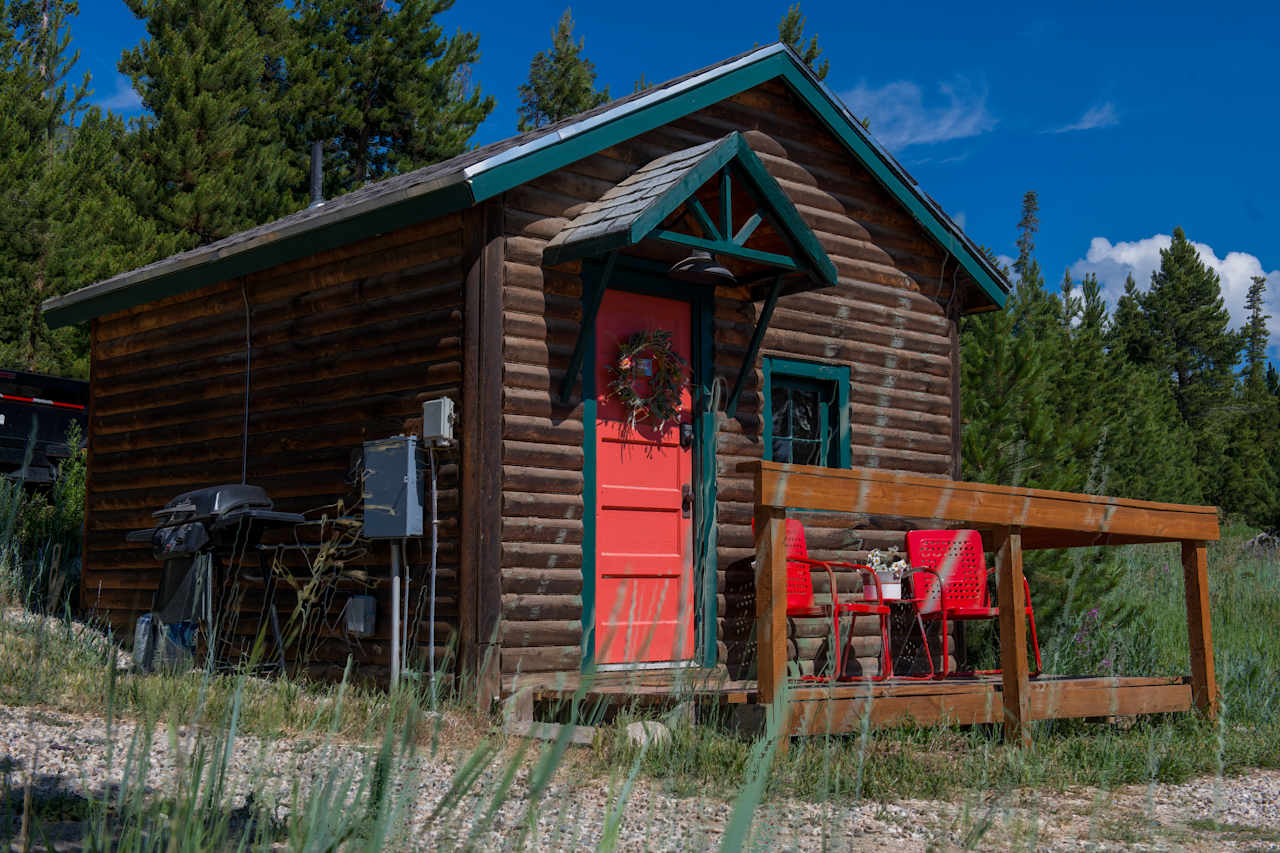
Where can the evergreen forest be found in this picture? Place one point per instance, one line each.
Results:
(1157, 396)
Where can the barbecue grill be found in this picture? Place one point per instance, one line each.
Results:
(196, 534)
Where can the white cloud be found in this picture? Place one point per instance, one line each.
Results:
(1100, 115)
(900, 116)
(1006, 261)
(123, 100)
(1111, 262)
(960, 219)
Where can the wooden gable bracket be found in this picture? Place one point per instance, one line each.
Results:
(753, 348)
(637, 208)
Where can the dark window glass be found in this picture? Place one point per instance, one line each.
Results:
(804, 420)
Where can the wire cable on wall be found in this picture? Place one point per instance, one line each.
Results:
(248, 372)
(431, 615)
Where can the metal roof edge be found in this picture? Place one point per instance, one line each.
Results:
(644, 102)
(78, 306)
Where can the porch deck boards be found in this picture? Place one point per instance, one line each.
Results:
(836, 708)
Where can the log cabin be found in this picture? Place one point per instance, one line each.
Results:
(738, 219)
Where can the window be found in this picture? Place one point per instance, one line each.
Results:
(806, 418)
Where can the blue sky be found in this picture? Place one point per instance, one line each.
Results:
(1127, 118)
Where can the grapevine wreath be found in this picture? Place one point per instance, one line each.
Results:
(662, 404)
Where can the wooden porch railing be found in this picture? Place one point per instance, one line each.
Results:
(1012, 520)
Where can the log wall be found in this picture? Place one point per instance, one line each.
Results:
(889, 320)
(345, 346)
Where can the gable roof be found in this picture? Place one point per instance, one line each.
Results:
(487, 171)
(638, 205)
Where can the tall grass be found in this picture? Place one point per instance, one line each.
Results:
(365, 803)
(1138, 628)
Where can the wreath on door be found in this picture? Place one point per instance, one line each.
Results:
(650, 356)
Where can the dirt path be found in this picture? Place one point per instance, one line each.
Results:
(1241, 813)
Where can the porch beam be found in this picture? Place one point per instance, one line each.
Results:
(726, 205)
(1015, 677)
(981, 505)
(704, 219)
(753, 348)
(727, 247)
(591, 300)
(1195, 574)
(748, 228)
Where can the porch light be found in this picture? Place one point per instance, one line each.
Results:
(701, 267)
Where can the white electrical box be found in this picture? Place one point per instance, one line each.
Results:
(437, 421)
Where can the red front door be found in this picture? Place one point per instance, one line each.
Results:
(644, 487)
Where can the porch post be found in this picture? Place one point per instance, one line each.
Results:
(1195, 574)
(1013, 637)
(771, 602)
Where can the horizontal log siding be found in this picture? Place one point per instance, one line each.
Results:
(346, 345)
(884, 320)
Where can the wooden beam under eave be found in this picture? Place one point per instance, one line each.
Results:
(903, 495)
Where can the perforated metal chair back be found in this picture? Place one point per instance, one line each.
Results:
(957, 558)
(799, 575)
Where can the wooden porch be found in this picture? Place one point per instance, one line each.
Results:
(842, 707)
(1012, 520)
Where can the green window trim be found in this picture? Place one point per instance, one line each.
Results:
(801, 373)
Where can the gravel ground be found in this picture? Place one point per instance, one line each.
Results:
(1241, 813)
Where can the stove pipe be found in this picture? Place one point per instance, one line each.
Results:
(317, 174)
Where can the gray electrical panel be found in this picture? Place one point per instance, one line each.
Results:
(361, 615)
(393, 487)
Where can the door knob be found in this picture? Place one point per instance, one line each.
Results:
(686, 501)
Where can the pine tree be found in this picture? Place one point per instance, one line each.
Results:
(1128, 333)
(63, 222)
(1255, 334)
(384, 88)
(1185, 335)
(1252, 483)
(1006, 406)
(1028, 225)
(40, 107)
(210, 160)
(561, 81)
(791, 33)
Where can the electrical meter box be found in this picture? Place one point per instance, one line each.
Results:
(361, 613)
(393, 487)
(437, 421)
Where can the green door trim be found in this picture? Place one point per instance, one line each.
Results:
(706, 564)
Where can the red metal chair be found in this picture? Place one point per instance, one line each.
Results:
(949, 582)
(800, 601)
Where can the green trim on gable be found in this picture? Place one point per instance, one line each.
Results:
(513, 173)
(733, 159)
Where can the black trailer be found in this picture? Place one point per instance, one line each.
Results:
(36, 412)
